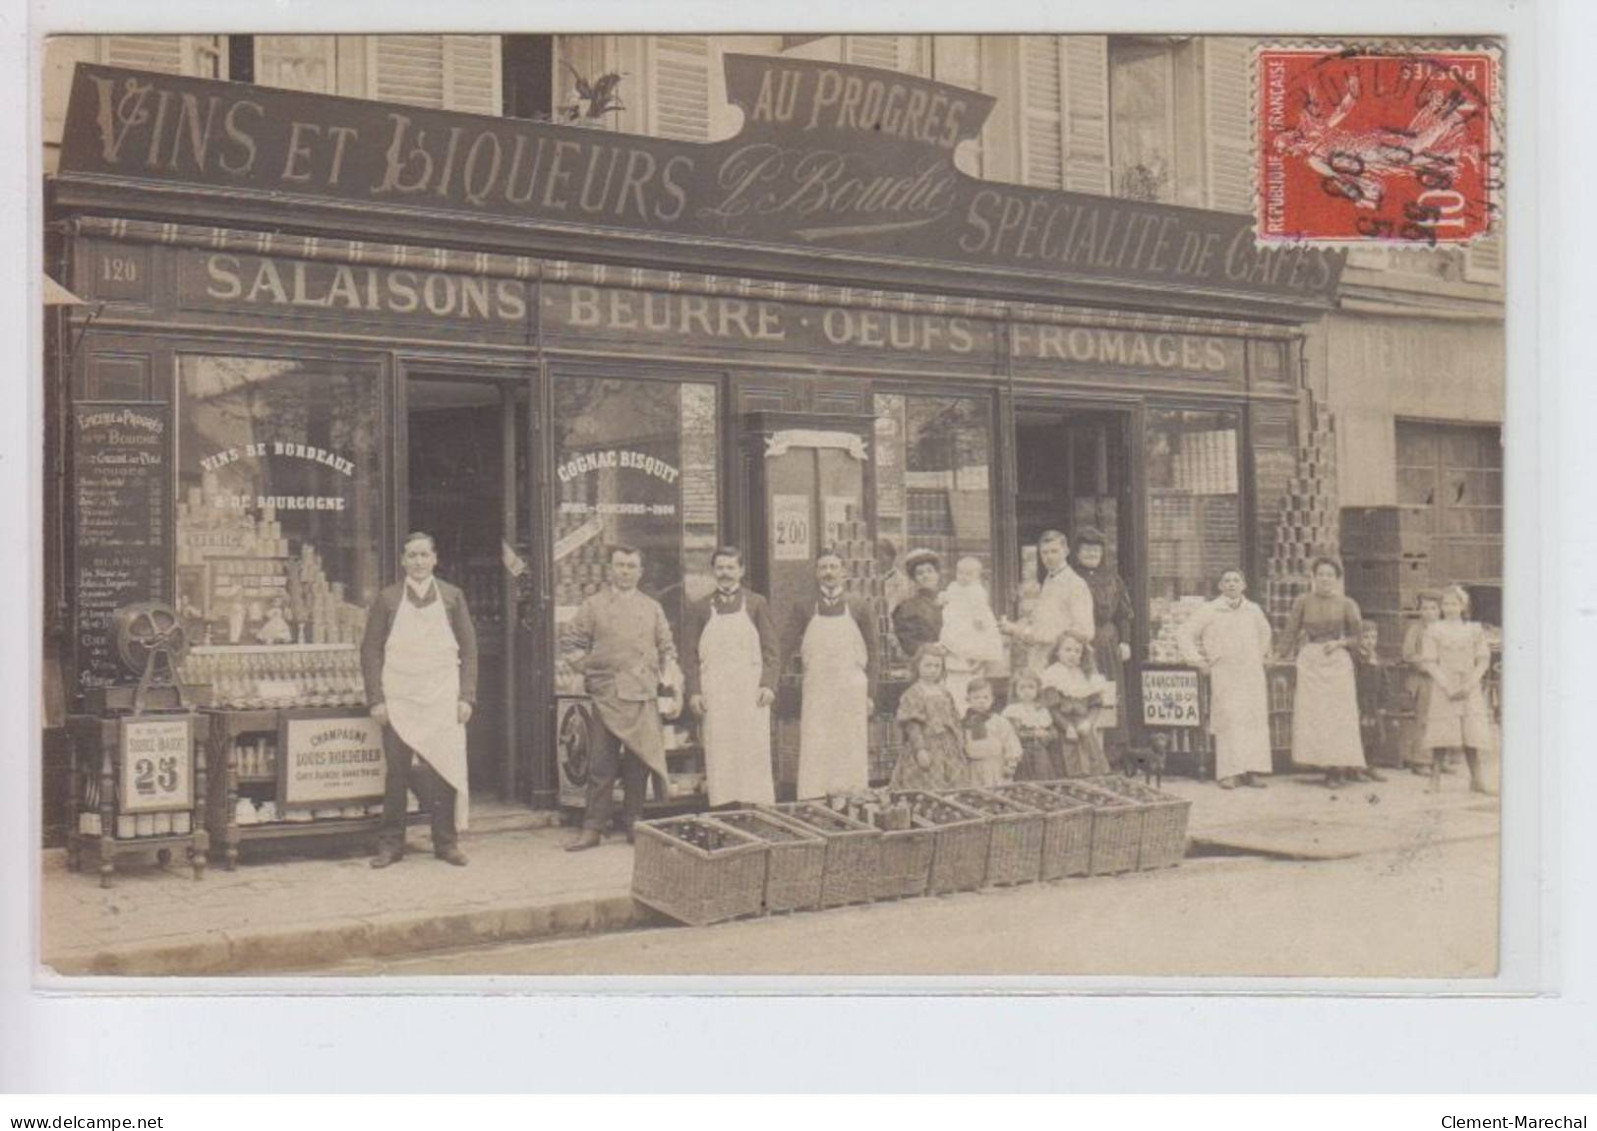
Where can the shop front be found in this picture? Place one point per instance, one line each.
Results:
(339, 369)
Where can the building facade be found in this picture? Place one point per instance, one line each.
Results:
(535, 342)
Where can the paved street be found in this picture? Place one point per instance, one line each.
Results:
(1430, 910)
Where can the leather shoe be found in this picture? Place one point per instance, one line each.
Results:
(452, 855)
(385, 858)
(589, 838)
(1374, 775)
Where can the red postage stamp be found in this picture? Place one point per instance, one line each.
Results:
(1369, 145)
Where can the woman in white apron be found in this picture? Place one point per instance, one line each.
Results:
(1230, 639)
(1324, 628)
(833, 722)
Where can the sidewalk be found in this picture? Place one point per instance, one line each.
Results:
(300, 914)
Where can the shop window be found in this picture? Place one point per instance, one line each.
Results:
(1450, 494)
(279, 520)
(933, 484)
(1194, 516)
(637, 465)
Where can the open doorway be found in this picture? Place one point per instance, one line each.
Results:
(1073, 471)
(467, 454)
(1074, 474)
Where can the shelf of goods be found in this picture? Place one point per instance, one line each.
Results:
(294, 772)
(137, 787)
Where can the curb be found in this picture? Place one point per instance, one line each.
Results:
(310, 949)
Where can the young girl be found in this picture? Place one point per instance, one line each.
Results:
(1455, 655)
(1077, 696)
(991, 745)
(933, 756)
(1418, 684)
(1034, 727)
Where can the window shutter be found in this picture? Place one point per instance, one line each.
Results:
(297, 62)
(1042, 156)
(680, 87)
(886, 52)
(444, 72)
(199, 55)
(1229, 172)
(1085, 65)
(472, 80)
(1483, 260)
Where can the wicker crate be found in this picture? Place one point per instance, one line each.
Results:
(906, 866)
(963, 837)
(1014, 853)
(1116, 825)
(1066, 825)
(1164, 824)
(853, 851)
(796, 861)
(693, 884)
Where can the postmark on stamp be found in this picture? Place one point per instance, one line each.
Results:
(1361, 145)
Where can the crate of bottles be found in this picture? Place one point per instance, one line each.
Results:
(697, 870)
(795, 860)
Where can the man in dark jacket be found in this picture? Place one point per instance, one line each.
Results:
(419, 662)
(730, 661)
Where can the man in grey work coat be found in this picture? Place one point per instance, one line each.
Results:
(621, 644)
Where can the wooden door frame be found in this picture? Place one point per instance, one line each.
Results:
(506, 379)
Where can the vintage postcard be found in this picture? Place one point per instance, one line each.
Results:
(826, 504)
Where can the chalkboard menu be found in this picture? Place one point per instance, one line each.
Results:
(121, 484)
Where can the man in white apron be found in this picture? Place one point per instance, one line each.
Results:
(730, 661)
(419, 663)
(836, 640)
(1064, 605)
(621, 643)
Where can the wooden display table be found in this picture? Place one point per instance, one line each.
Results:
(138, 786)
(302, 772)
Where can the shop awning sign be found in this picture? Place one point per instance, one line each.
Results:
(831, 158)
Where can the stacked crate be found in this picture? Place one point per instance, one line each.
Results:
(1388, 563)
(1308, 524)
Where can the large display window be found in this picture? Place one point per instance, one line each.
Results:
(1194, 514)
(636, 464)
(279, 524)
(933, 488)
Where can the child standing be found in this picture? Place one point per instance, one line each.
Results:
(1077, 696)
(1034, 728)
(933, 756)
(991, 745)
(1455, 655)
(1417, 682)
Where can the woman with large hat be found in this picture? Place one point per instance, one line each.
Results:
(918, 619)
